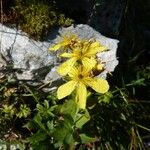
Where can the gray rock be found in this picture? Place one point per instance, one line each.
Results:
(31, 60)
(87, 32)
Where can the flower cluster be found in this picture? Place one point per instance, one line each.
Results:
(80, 67)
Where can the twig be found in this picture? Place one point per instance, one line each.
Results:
(50, 82)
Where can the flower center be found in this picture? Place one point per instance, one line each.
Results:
(80, 76)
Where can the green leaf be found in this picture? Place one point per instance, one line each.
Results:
(82, 119)
(137, 82)
(45, 110)
(106, 98)
(46, 104)
(123, 117)
(24, 111)
(64, 131)
(50, 126)
(37, 137)
(70, 108)
(39, 146)
(87, 139)
(68, 140)
(38, 120)
(61, 131)
(30, 125)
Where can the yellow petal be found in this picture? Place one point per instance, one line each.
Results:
(99, 85)
(55, 47)
(99, 66)
(66, 89)
(95, 44)
(85, 71)
(73, 72)
(94, 48)
(89, 62)
(76, 52)
(64, 42)
(67, 55)
(81, 96)
(66, 66)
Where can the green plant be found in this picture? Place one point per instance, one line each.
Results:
(37, 17)
(8, 110)
(24, 111)
(80, 67)
(114, 119)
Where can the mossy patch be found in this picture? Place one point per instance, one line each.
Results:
(37, 17)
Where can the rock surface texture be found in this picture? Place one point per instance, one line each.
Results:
(31, 61)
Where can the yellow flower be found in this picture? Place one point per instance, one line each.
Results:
(99, 66)
(68, 41)
(85, 55)
(80, 80)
